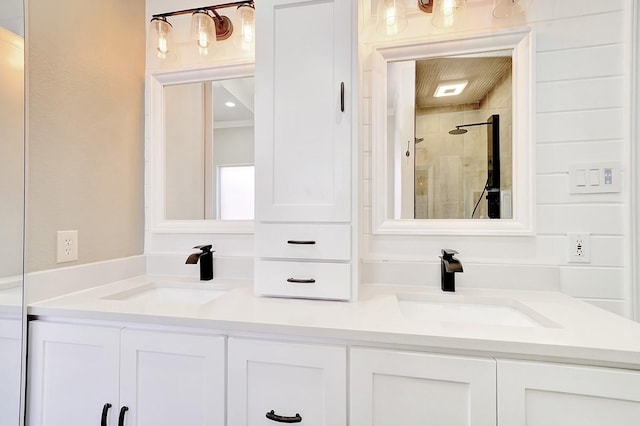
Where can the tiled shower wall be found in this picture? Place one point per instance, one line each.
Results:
(451, 170)
(581, 71)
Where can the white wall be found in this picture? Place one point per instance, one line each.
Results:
(582, 115)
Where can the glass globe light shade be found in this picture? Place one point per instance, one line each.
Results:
(160, 37)
(246, 32)
(446, 12)
(509, 8)
(203, 31)
(391, 17)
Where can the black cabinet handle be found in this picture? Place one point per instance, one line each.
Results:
(123, 410)
(342, 96)
(105, 412)
(299, 281)
(310, 242)
(271, 415)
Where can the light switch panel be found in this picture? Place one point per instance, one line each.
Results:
(594, 178)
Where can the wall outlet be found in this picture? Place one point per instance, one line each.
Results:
(579, 248)
(67, 247)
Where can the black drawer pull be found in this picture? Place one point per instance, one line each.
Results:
(105, 413)
(302, 242)
(299, 281)
(342, 96)
(123, 410)
(271, 415)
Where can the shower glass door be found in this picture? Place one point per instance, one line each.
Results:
(12, 163)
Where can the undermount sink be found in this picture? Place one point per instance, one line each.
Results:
(470, 310)
(170, 293)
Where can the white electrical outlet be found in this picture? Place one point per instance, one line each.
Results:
(67, 247)
(579, 247)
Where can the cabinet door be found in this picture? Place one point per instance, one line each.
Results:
(172, 379)
(10, 368)
(391, 388)
(540, 394)
(73, 373)
(304, 67)
(286, 380)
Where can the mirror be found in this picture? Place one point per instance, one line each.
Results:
(449, 135)
(12, 162)
(208, 130)
(201, 136)
(452, 145)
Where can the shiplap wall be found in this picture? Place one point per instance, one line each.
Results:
(582, 114)
(582, 76)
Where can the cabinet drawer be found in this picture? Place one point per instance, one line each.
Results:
(316, 280)
(322, 242)
(275, 381)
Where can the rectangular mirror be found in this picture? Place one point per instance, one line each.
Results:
(449, 132)
(201, 137)
(453, 149)
(209, 150)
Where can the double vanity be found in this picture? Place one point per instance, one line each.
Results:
(306, 341)
(167, 350)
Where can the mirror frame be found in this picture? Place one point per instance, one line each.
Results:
(155, 152)
(523, 221)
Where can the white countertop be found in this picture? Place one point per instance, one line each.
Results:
(582, 333)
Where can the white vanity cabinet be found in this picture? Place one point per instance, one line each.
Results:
(161, 378)
(546, 394)
(272, 382)
(305, 146)
(389, 388)
(10, 350)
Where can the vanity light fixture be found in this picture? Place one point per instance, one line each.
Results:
(451, 88)
(207, 27)
(391, 17)
(230, 104)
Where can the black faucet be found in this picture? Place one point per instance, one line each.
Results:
(206, 261)
(449, 265)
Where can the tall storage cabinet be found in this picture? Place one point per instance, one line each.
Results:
(306, 144)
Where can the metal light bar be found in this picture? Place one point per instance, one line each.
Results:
(208, 8)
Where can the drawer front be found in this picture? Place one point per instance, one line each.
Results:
(318, 242)
(272, 382)
(315, 280)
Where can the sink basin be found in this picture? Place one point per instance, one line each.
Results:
(170, 293)
(471, 310)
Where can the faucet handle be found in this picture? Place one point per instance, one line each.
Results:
(206, 248)
(447, 254)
